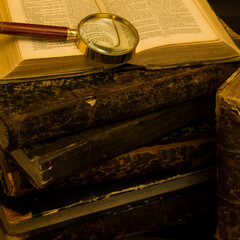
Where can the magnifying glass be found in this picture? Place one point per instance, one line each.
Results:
(102, 37)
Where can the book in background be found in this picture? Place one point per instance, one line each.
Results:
(228, 138)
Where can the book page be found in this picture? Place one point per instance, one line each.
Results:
(66, 13)
(162, 22)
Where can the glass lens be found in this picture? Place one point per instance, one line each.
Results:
(108, 36)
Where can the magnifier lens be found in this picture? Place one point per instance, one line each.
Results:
(108, 35)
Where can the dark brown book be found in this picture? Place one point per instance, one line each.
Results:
(228, 137)
(34, 111)
(110, 210)
(188, 148)
(54, 160)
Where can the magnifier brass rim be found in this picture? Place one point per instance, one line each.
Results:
(96, 55)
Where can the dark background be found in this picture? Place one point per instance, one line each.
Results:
(229, 11)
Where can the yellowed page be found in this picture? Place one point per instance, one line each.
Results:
(67, 13)
(162, 22)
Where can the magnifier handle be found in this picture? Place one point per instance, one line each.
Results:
(35, 30)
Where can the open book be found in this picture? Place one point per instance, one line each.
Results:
(172, 33)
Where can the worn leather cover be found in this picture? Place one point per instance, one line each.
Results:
(187, 148)
(228, 138)
(35, 111)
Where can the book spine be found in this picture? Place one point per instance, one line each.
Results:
(189, 148)
(75, 153)
(156, 214)
(60, 106)
(149, 161)
(228, 138)
(141, 162)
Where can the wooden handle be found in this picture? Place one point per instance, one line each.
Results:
(33, 30)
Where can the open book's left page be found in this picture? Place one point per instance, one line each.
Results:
(67, 13)
(174, 32)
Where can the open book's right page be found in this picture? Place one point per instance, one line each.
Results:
(161, 22)
(166, 23)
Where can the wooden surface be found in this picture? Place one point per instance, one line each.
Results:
(60, 106)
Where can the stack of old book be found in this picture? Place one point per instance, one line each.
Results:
(65, 144)
(88, 159)
(97, 152)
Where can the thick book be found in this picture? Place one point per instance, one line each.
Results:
(184, 33)
(105, 211)
(57, 107)
(188, 148)
(55, 159)
(228, 137)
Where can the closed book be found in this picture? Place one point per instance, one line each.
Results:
(228, 138)
(109, 210)
(188, 148)
(31, 112)
(48, 162)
